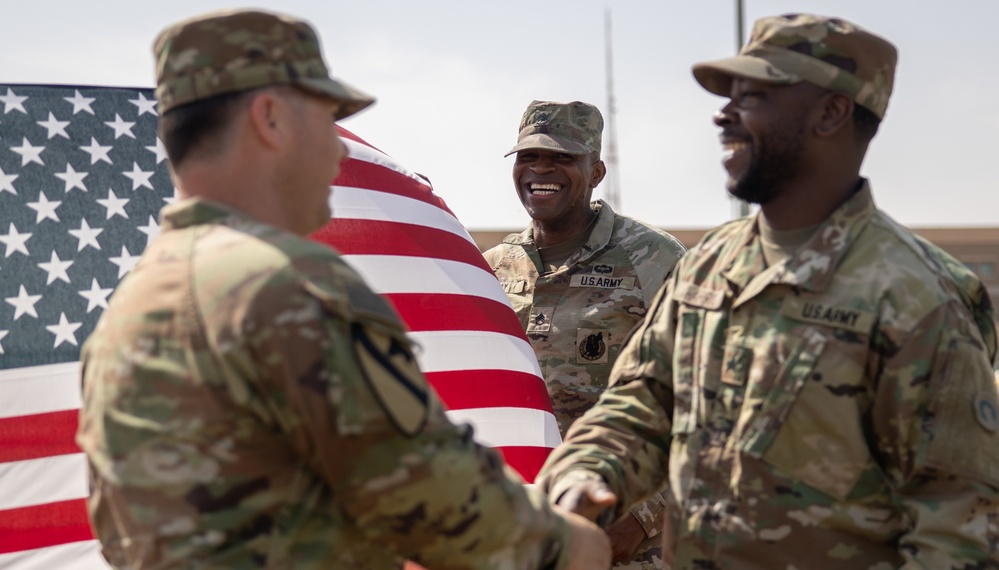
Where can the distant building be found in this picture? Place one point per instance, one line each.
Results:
(978, 248)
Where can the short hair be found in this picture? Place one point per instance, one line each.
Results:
(865, 122)
(200, 124)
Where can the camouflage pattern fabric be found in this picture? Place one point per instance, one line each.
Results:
(573, 128)
(229, 51)
(829, 52)
(250, 403)
(578, 317)
(836, 410)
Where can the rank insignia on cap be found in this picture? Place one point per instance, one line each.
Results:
(393, 375)
(541, 119)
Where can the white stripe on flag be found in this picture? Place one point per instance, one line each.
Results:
(363, 152)
(509, 427)
(45, 480)
(85, 555)
(442, 351)
(348, 202)
(40, 389)
(388, 274)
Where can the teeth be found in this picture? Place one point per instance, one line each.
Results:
(545, 189)
(734, 146)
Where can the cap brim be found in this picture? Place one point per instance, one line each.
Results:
(351, 100)
(716, 76)
(541, 141)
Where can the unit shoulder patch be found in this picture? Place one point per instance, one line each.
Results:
(392, 372)
(591, 344)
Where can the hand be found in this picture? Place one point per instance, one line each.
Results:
(588, 499)
(590, 548)
(625, 535)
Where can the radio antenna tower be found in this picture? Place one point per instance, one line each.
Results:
(612, 183)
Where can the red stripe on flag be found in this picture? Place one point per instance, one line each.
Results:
(361, 174)
(525, 460)
(443, 312)
(40, 435)
(464, 389)
(46, 525)
(352, 236)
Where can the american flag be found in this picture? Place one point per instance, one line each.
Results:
(82, 178)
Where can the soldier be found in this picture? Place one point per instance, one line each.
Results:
(580, 277)
(815, 381)
(248, 401)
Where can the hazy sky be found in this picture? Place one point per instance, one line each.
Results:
(453, 78)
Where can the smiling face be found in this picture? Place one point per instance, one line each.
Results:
(555, 187)
(763, 137)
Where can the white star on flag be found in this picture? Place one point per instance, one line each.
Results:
(65, 331)
(86, 235)
(56, 268)
(7, 182)
(72, 178)
(97, 152)
(139, 177)
(126, 262)
(54, 508)
(29, 153)
(44, 209)
(2, 334)
(120, 127)
(144, 105)
(54, 127)
(24, 304)
(12, 102)
(159, 150)
(114, 205)
(96, 296)
(80, 103)
(14, 241)
(152, 229)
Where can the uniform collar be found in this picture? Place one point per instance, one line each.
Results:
(813, 266)
(193, 212)
(600, 236)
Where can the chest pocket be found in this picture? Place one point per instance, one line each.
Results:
(804, 430)
(699, 324)
(514, 287)
(695, 365)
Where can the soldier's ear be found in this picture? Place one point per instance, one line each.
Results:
(267, 118)
(599, 171)
(834, 113)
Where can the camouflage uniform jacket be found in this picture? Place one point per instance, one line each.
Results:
(250, 403)
(578, 317)
(835, 410)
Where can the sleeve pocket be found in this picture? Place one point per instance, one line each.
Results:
(965, 423)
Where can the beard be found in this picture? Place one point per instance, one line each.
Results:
(775, 160)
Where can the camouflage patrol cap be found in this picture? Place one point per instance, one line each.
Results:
(573, 128)
(828, 52)
(229, 51)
